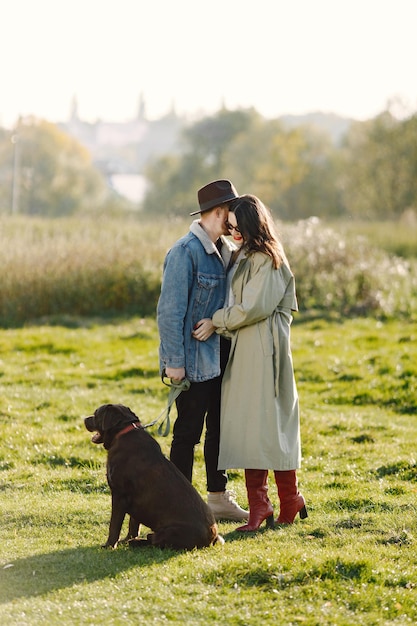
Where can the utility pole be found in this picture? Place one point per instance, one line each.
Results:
(16, 171)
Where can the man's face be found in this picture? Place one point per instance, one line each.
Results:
(225, 215)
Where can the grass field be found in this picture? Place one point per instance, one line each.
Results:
(353, 561)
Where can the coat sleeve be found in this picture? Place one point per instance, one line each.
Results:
(261, 295)
(172, 306)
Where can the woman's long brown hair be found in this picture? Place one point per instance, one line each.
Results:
(257, 227)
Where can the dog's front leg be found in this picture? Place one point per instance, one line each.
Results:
(133, 531)
(134, 527)
(118, 513)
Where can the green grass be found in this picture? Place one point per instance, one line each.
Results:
(353, 561)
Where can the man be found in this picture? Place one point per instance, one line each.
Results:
(193, 287)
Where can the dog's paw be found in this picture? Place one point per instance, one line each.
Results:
(128, 538)
(138, 543)
(109, 546)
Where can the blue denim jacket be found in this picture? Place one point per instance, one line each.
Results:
(193, 287)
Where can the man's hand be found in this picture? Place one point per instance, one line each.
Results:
(175, 373)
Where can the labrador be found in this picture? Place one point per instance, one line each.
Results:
(148, 487)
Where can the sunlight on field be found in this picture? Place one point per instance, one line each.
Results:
(352, 561)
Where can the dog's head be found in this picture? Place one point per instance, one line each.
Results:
(107, 421)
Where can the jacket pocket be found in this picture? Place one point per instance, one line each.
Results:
(206, 287)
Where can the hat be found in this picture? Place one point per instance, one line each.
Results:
(214, 194)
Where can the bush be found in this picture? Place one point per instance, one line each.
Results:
(346, 276)
(85, 267)
(77, 267)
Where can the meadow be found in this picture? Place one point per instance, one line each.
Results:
(352, 561)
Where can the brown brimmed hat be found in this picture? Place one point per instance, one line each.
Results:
(215, 193)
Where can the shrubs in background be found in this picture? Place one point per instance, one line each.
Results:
(85, 267)
(76, 267)
(346, 275)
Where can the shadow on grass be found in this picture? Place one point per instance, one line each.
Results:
(234, 535)
(40, 574)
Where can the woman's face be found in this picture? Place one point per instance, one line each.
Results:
(233, 229)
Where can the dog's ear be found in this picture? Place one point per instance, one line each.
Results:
(114, 415)
(128, 415)
(109, 418)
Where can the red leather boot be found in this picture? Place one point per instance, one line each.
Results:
(290, 499)
(260, 508)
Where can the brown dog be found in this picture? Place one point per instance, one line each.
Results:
(147, 486)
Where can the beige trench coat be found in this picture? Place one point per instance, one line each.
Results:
(260, 426)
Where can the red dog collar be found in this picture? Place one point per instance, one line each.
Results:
(132, 426)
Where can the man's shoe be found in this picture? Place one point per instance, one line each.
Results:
(224, 506)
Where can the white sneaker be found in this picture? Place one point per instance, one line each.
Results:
(224, 506)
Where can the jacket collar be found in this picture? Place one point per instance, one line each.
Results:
(209, 246)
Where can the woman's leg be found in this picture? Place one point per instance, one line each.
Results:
(290, 499)
(260, 507)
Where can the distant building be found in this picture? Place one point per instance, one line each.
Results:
(120, 150)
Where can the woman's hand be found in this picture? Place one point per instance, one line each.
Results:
(203, 329)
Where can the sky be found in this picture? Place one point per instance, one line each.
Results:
(350, 57)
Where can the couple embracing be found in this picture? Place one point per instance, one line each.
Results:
(224, 317)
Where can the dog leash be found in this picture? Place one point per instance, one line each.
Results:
(175, 388)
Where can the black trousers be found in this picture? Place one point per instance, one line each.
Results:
(201, 403)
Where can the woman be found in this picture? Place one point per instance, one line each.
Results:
(260, 428)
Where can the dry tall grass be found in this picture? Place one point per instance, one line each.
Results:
(79, 267)
(87, 267)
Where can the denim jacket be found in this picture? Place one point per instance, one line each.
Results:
(193, 287)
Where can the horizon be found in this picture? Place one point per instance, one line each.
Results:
(186, 116)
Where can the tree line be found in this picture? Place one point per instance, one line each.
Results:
(371, 173)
